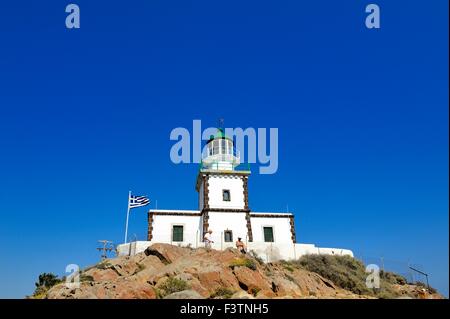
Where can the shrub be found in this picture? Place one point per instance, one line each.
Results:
(243, 262)
(47, 280)
(84, 277)
(287, 265)
(39, 293)
(223, 293)
(255, 291)
(103, 265)
(393, 278)
(346, 272)
(172, 285)
(44, 283)
(386, 294)
(350, 274)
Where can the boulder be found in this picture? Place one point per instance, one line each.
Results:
(166, 253)
(242, 295)
(251, 281)
(185, 294)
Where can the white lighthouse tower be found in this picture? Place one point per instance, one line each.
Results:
(223, 190)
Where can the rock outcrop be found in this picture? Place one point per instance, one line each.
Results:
(167, 271)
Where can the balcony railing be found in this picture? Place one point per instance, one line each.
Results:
(222, 165)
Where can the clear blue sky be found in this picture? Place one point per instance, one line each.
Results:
(85, 115)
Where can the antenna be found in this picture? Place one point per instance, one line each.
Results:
(105, 249)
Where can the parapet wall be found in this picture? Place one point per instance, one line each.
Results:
(269, 252)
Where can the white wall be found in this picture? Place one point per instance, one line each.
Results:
(217, 183)
(219, 222)
(281, 229)
(162, 229)
(269, 252)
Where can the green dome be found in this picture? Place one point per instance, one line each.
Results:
(219, 135)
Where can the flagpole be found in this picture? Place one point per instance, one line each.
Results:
(128, 213)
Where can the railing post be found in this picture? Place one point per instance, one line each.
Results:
(196, 239)
(271, 250)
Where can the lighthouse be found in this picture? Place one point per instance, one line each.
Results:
(223, 207)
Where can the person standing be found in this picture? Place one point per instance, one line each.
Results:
(208, 239)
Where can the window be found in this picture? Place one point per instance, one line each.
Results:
(223, 146)
(230, 147)
(215, 144)
(226, 195)
(177, 233)
(268, 234)
(228, 236)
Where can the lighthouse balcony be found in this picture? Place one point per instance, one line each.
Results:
(224, 166)
(229, 158)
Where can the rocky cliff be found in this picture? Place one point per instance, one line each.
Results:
(166, 271)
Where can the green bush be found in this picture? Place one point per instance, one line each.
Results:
(103, 265)
(393, 278)
(44, 283)
(345, 271)
(172, 285)
(386, 294)
(287, 265)
(84, 277)
(243, 262)
(350, 274)
(39, 293)
(223, 293)
(255, 291)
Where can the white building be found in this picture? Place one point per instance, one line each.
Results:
(224, 208)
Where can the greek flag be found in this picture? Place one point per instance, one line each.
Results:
(138, 201)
